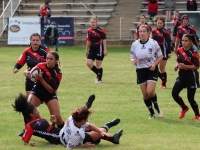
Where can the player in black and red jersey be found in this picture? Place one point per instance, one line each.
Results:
(185, 28)
(188, 76)
(162, 36)
(37, 125)
(96, 48)
(46, 85)
(176, 22)
(32, 55)
(142, 22)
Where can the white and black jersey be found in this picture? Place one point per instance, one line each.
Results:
(70, 135)
(145, 54)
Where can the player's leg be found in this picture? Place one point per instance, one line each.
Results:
(54, 109)
(162, 69)
(99, 61)
(177, 88)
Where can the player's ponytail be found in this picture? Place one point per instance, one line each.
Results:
(21, 105)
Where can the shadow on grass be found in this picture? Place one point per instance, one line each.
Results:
(181, 122)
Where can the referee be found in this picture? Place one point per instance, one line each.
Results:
(146, 54)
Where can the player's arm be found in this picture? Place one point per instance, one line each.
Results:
(105, 47)
(27, 135)
(20, 63)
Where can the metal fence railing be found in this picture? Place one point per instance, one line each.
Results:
(8, 11)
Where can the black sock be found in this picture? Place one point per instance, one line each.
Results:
(100, 73)
(164, 78)
(155, 103)
(159, 75)
(111, 124)
(107, 138)
(94, 69)
(149, 105)
(60, 126)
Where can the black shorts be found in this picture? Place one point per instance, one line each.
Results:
(188, 78)
(43, 95)
(29, 84)
(175, 31)
(96, 52)
(89, 139)
(144, 75)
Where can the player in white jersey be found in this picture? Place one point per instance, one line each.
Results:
(146, 54)
(74, 135)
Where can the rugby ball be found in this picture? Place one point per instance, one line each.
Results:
(35, 70)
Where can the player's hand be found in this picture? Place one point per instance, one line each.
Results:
(27, 73)
(88, 145)
(134, 61)
(169, 55)
(175, 68)
(38, 77)
(53, 118)
(181, 65)
(105, 52)
(15, 70)
(152, 68)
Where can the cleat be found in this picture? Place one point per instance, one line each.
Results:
(151, 116)
(98, 81)
(21, 133)
(182, 114)
(117, 136)
(113, 123)
(196, 118)
(160, 114)
(90, 101)
(162, 87)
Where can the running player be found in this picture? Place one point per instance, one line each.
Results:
(96, 48)
(32, 55)
(146, 54)
(46, 85)
(185, 28)
(188, 76)
(162, 36)
(142, 22)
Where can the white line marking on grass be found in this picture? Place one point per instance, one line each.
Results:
(4, 87)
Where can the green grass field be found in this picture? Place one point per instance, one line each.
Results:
(118, 96)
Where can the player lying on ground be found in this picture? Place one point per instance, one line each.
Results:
(40, 127)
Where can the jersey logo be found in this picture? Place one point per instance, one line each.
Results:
(150, 50)
(143, 47)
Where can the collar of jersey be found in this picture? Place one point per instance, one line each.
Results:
(144, 42)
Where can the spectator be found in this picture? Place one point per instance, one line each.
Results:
(152, 9)
(43, 13)
(191, 5)
(169, 6)
(51, 36)
(47, 9)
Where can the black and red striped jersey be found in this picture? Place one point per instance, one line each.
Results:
(138, 27)
(52, 76)
(162, 36)
(188, 57)
(32, 58)
(189, 29)
(96, 36)
(41, 128)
